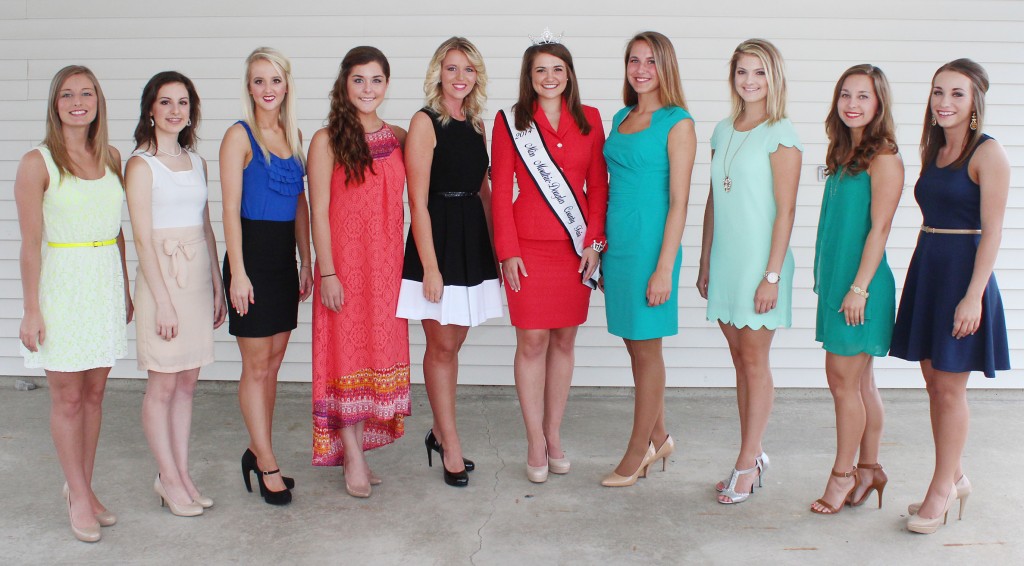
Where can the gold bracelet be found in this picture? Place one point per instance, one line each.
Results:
(859, 291)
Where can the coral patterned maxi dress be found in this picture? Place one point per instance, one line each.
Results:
(361, 354)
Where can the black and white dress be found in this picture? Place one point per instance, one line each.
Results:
(459, 227)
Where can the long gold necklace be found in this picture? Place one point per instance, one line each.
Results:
(726, 162)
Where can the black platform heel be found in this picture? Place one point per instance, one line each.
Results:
(249, 463)
(432, 444)
(272, 497)
(454, 479)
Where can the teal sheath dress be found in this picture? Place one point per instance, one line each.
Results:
(638, 199)
(744, 217)
(842, 229)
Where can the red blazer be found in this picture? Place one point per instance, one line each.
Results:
(581, 159)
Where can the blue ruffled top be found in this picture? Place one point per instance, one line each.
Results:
(270, 191)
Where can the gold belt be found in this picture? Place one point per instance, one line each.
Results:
(92, 244)
(930, 230)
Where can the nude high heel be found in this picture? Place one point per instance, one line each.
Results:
(615, 480)
(918, 524)
(963, 491)
(86, 534)
(666, 450)
(105, 518)
(190, 509)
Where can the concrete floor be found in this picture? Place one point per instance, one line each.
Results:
(501, 518)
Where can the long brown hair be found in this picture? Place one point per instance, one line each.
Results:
(345, 132)
(97, 139)
(669, 87)
(145, 131)
(527, 96)
(879, 135)
(934, 137)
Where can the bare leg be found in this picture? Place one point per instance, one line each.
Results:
(844, 374)
(749, 349)
(561, 361)
(441, 374)
(530, 375)
(156, 422)
(70, 435)
(649, 382)
(357, 476)
(874, 423)
(947, 396)
(95, 386)
(261, 360)
(181, 426)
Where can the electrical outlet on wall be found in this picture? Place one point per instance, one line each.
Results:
(821, 173)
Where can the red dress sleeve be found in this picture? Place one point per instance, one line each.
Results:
(597, 180)
(503, 163)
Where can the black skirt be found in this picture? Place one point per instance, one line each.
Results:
(268, 252)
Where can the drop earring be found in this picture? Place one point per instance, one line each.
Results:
(974, 120)
(189, 123)
(151, 122)
(933, 120)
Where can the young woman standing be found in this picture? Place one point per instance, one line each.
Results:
(265, 219)
(548, 253)
(746, 266)
(70, 190)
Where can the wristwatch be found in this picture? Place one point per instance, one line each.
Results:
(771, 277)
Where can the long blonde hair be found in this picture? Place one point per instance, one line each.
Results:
(97, 140)
(473, 104)
(287, 117)
(774, 71)
(669, 87)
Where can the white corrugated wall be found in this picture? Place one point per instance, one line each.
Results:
(125, 42)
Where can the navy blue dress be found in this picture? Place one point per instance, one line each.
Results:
(938, 277)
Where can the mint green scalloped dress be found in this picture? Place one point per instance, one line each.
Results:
(744, 218)
(81, 289)
(843, 227)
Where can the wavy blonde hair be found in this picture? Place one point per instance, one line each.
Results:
(774, 70)
(473, 104)
(98, 138)
(287, 117)
(669, 88)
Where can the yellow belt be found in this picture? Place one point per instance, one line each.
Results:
(93, 244)
(930, 230)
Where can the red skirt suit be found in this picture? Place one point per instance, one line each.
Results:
(553, 295)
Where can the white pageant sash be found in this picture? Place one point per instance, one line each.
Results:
(551, 183)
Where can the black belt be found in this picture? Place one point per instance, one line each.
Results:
(454, 194)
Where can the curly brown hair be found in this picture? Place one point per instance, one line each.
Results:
(345, 132)
(879, 135)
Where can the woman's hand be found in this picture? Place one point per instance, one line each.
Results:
(659, 288)
(33, 331)
(766, 297)
(433, 286)
(332, 295)
(166, 322)
(967, 317)
(510, 269)
(129, 306)
(241, 294)
(853, 307)
(589, 263)
(305, 282)
(702, 282)
(220, 308)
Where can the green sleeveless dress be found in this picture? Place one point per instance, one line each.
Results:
(842, 229)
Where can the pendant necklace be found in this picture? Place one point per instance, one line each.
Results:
(726, 162)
